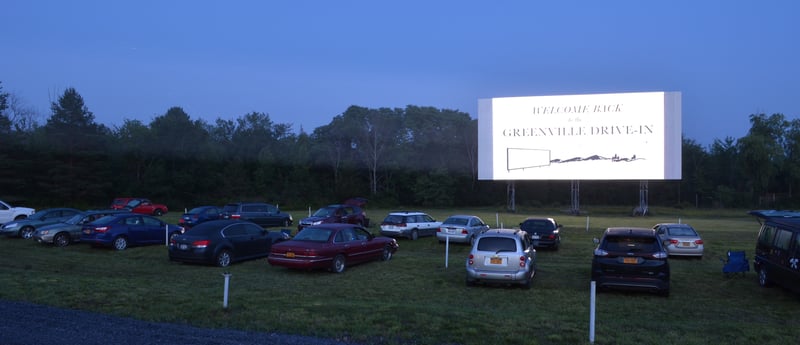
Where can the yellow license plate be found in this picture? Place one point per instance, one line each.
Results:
(495, 261)
(629, 260)
(289, 254)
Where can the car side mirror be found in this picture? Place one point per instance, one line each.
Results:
(596, 240)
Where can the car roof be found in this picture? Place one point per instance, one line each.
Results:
(788, 219)
(503, 232)
(680, 225)
(630, 231)
(407, 213)
(333, 226)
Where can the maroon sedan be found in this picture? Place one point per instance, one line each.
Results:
(332, 246)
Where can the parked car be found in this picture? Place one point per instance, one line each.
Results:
(9, 213)
(266, 215)
(777, 259)
(61, 234)
(680, 239)
(333, 246)
(140, 206)
(461, 228)
(631, 258)
(120, 203)
(128, 229)
(544, 232)
(409, 224)
(362, 204)
(339, 213)
(502, 256)
(222, 242)
(24, 228)
(199, 215)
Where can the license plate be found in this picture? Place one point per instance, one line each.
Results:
(686, 244)
(451, 231)
(535, 237)
(496, 261)
(87, 231)
(289, 254)
(184, 246)
(629, 260)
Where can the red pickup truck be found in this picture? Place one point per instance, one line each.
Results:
(139, 205)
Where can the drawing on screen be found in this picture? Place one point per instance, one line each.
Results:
(520, 159)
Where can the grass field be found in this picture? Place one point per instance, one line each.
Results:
(415, 299)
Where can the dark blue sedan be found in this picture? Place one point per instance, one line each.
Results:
(200, 214)
(128, 229)
(222, 242)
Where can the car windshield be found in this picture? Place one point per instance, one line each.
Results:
(104, 220)
(133, 203)
(537, 225)
(631, 244)
(325, 212)
(196, 210)
(455, 221)
(497, 244)
(38, 215)
(313, 235)
(681, 231)
(75, 219)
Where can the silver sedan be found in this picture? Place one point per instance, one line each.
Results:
(461, 228)
(680, 239)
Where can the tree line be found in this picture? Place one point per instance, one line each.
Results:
(396, 157)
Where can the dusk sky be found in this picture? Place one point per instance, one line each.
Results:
(304, 62)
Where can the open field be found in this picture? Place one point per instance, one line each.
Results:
(415, 299)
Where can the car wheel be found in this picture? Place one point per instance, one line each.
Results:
(158, 212)
(338, 265)
(224, 258)
(120, 243)
(61, 239)
(26, 232)
(387, 253)
(172, 235)
(763, 278)
(414, 235)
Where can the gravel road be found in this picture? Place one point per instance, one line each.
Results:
(32, 324)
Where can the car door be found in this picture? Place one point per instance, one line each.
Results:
(793, 274)
(136, 231)
(155, 230)
(427, 224)
(355, 244)
(781, 252)
(257, 241)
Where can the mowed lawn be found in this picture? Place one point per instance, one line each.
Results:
(420, 297)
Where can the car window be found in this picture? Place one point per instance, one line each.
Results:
(361, 234)
(782, 238)
(133, 221)
(456, 221)
(425, 218)
(767, 235)
(234, 231)
(537, 225)
(252, 229)
(497, 244)
(632, 244)
(270, 209)
(151, 221)
(230, 208)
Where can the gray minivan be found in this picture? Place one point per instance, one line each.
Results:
(777, 259)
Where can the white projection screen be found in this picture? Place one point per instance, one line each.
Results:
(619, 136)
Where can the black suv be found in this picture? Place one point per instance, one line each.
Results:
(777, 257)
(543, 231)
(631, 258)
(263, 214)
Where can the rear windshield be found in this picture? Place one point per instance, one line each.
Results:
(537, 225)
(313, 235)
(394, 219)
(456, 221)
(497, 244)
(681, 231)
(632, 244)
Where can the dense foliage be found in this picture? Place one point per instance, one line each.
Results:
(419, 156)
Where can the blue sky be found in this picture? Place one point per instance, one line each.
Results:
(304, 62)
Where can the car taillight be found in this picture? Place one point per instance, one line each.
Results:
(200, 244)
(471, 259)
(673, 241)
(439, 230)
(464, 231)
(172, 242)
(236, 216)
(101, 229)
(551, 237)
(698, 242)
(522, 260)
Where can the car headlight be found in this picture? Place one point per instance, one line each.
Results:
(43, 232)
(316, 222)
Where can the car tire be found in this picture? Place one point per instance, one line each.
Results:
(158, 212)
(763, 278)
(339, 264)
(224, 258)
(120, 243)
(26, 232)
(61, 239)
(387, 253)
(414, 235)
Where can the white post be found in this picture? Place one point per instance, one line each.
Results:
(309, 211)
(166, 234)
(446, 250)
(497, 219)
(225, 293)
(592, 312)
(587, 223)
